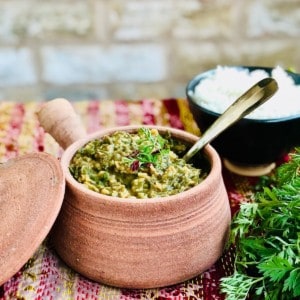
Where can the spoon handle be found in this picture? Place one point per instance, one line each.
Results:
(258, 94)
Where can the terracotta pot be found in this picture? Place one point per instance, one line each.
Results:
(142, 243)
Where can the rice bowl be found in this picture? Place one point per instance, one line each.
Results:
(253, 145)
(221, 88)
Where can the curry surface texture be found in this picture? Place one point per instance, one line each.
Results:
(135, 165)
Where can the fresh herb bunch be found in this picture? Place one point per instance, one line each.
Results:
(266, 234)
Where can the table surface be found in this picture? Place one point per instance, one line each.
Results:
(45, 276)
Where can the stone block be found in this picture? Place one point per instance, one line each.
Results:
(191, 58)
(21, 20)
(133, 91)
(74, 93)
(95, 64)
(140, 20)
(273, 18)
(16, 67)
(202, 21)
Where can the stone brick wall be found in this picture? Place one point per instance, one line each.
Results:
(134, 49)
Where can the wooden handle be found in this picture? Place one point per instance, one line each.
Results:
(60, 120)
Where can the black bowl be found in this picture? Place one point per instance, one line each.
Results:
(249, 142)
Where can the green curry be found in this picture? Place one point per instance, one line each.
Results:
(135, 165)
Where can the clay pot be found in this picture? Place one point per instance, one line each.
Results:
(142, 243)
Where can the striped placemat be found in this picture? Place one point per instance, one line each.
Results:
(45, 276)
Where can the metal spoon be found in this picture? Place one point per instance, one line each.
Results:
(258, 94)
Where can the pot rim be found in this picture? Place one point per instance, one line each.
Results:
(210, 153)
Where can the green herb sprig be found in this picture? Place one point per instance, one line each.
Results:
(266, 234)
(151, 149)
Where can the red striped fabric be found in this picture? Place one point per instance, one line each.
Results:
(45, 276)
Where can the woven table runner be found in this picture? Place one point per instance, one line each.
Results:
(45, 276)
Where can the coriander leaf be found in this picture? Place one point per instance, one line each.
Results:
(287, 172)
(292, 283)
(242, 222)
(276, 268)
(256, 247)
(237, 286)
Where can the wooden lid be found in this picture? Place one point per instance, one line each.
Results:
(32, 188)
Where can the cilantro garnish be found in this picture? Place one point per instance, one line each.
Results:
(151, 150)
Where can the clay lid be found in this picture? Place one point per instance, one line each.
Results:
(32, 188)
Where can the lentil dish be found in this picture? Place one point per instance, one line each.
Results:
(143, 164)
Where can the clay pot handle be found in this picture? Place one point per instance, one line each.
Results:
(60, 120)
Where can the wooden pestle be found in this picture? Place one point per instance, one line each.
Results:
(59, 119)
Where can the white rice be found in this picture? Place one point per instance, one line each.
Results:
(218, 91)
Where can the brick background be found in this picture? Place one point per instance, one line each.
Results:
(134, 49)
